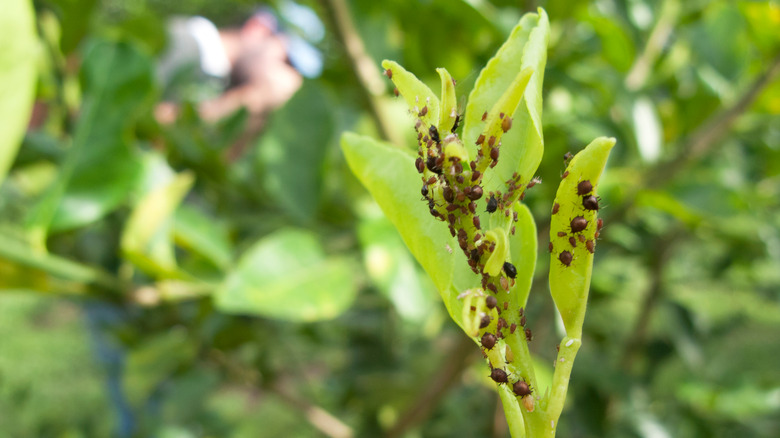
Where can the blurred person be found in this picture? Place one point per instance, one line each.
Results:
(252, 66)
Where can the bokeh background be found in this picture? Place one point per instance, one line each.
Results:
(214, 279)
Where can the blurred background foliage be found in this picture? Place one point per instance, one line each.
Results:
(154, 283)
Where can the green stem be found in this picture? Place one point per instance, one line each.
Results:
(560, 384)
(513, 413)
(522, 356)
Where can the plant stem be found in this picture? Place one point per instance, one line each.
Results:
(363, 66)
(560, 384)
(657, 264)
(522, 356)
(318, 417)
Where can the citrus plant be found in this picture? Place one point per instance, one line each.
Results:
(457, 203)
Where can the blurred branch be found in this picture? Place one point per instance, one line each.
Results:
(318, 417)
(636, 341)
(459, 357)
(707, 135)
(701, 141)
(16, 251)
(363, 66)
(637, 77)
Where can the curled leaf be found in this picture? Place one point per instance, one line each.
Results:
(449, 104)
(523, 144)
(418, 96)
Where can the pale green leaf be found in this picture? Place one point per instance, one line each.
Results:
(18, 75)
(569, 285)
(389, 175)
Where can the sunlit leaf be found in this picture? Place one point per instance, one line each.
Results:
(390, 177)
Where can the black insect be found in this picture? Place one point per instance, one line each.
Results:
(434, 133)
(424, 190)
(492, 204)
(432, 165)
(510, 270)
(457, 122)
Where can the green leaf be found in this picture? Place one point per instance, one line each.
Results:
(101, 168)
(288, 276)
(617, 47)
(523, 145)
(390, 176)
(292, 151)
(18, 74)
(569, 285)
(393, 269)
(146, 238)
